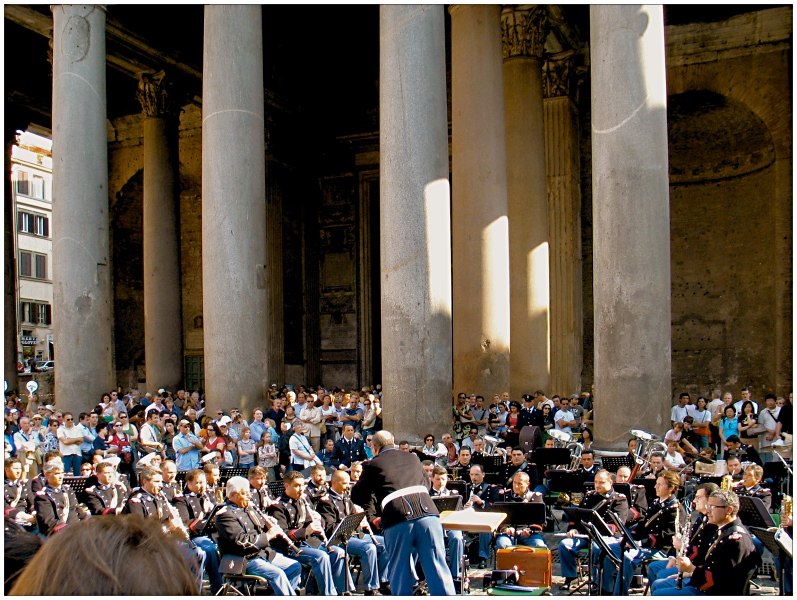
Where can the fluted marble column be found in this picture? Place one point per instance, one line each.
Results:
(234, 282)
(479, 214)
(163, 323)
(82, 303)
(523, 31)
(564, 224)
(415, 245)
(276, 325)
(631, 235)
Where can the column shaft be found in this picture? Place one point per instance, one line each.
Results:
(163, 322)
(233, 208)
(527, 201)
(631, 220)
(415, 243)
(10, 323)
(564, 226)
(276, 326)
(480, 232)
(82, 314)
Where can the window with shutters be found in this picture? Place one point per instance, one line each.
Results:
(38, 188)
(32, 265)
(33, 224)
(23, 185)
(44, 314)
(34, 312)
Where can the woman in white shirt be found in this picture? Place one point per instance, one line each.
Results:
(701, 418)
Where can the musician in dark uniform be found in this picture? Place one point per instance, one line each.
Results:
(700, 537)
(170, 483)
(333, 507)
(348, 449)
(654, 534)
(454, 537)
(258, 488)
(409, 518)
(461, 469)
(751, 486)
(741, 451)
(638, 502)
(527, 536)
(317, 487)
(588, 466)
(294, 515)
(148, 502)
(107, 496)
(480, 495)
(243, 531)
(56, 504)
(517, 462)
(729, 558)
(602, 499)
(15, 500)
(194, 506)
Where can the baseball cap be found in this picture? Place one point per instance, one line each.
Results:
(184, 422)
(49, 407)
(225, 420)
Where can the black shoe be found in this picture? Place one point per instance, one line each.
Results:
(482, 564)
(372, 593)
(384, 589)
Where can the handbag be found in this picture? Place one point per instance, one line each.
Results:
(233, 565)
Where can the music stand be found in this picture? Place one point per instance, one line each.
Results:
(613, 463)
(447, 503)
(180, 476)
(211, 516)
(458, 486)
(78, 484)
(567, 481)
(228, 472)
(551, 456)
(626, 535)
(471, 521)
(650, 488)
(275, 488)
(587, 515)
(768, 539)
(753, 513)
(491, 464)
(520, 513)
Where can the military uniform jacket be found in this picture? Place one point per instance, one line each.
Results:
(56, 508)
(390, 471)
(15, 498)
(613, 501)
(169, 490)
(315, 493)
(242, 532)
(194, 511)
(293, 517)
(347, 452)
(487, 492)
(260, 498)
(757, 492)
(34, 485)
(463, 471)
(333, 508)
(729, 558)
(639, 503)
(142, 503)
(658, 526)
(701, 536)
(105, 499)
(526, 467)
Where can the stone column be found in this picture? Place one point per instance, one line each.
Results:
(562, 161)
(479, 214)
(415, 243)
(163, 322)
(523, 31)
(82, 302)
(234, 298)
(631, 220)
(276, 324)
(10, 322)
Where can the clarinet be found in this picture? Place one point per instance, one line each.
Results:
(269, 523)
(684, 543)
(175, 521)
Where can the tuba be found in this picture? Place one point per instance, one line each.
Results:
(491, 446)
(646, 445)
(575, 454)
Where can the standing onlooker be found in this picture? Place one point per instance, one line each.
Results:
(729, 425)
(258, 426)
(701, 419)
(329, 415)
(369, 419)
(247, 450)
(186, 447)
(267, 455)
(747, 396)
(353, 414)
(785, 428)
(748, 424)
(124, 450)
(679, 411)
(310, 416)
(70, 438)
(768, 419)
(564, 419)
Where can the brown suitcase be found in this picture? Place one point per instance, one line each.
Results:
(536, 562)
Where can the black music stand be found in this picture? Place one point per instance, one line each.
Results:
(78, 484)
(342, 533)
(520, 513)
(605, 550)
(457, 485)
(228, 472)
(584, 516)
(567, 481)
(447, 503)
(650, 488)
(180, 476)
(211, 516)
(275, 488)
(768, 539)
(753, 512)
(551, 456)
(613, 463)
(491, 464)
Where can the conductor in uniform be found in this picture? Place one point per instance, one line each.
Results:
(409, 520)
(55, 503)
(243, 531)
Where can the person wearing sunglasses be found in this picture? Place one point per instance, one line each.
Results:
(729, 559)
(70, 438)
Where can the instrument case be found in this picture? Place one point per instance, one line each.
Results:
(535, 564)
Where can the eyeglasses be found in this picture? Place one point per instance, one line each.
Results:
(713, 506)
(122, 416)
(68, 420)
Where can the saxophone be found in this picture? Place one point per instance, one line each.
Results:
(726, 483)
